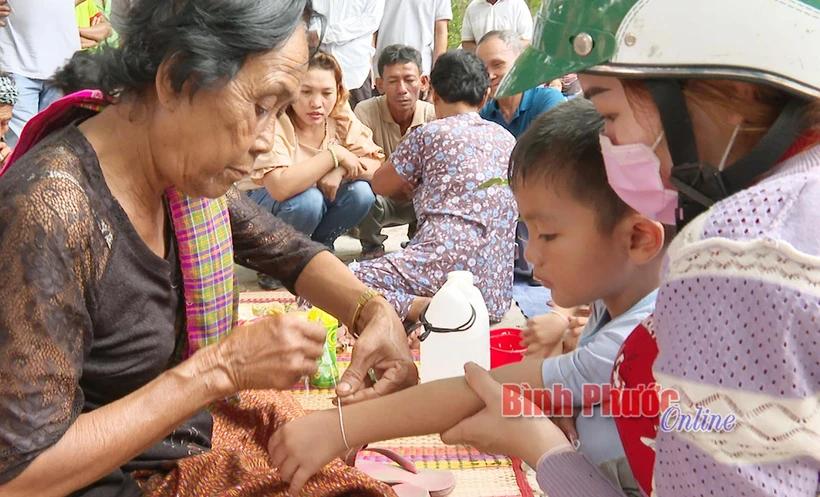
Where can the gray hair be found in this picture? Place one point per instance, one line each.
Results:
(508, 36)
(398, 54)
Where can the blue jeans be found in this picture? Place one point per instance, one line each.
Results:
(35, 96)
(314, 215)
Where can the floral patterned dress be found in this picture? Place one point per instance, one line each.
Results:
(461, 227)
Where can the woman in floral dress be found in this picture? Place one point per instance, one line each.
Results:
(461, 226)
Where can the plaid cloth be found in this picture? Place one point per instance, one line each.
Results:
(203, 232)
(202, 228)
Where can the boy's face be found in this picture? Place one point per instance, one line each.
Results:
(570, 254)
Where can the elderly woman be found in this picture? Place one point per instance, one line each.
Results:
(461, 226)
(8, 97)
(119, 228)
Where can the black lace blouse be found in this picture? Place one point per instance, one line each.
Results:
(88, 313)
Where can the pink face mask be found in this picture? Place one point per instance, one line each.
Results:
(634, 172)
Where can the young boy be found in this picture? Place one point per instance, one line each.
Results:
(585, 245)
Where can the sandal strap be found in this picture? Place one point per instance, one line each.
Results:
(403, 462)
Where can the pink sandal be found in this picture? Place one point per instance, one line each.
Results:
(406, 479)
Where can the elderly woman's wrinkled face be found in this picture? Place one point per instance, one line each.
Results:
(5, 118)
(206, 144)
(317, 97)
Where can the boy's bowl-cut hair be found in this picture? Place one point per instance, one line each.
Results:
(561, 147)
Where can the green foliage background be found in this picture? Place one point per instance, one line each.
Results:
(459, 6)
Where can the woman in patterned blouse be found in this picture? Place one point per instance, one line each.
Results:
(461, 226)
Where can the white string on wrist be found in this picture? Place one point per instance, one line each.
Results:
(339, 406)
(342, 424)
(338, 403)
(568, 320)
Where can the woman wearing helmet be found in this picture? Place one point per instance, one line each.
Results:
(713, 124)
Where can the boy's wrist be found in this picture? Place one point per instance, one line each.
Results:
(333, 425)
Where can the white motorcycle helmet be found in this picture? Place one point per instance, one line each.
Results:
(663, 43)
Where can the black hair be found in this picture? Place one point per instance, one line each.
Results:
(206, 42)
(561, 147)
(460, 76)
(398, 54)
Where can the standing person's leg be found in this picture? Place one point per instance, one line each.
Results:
(27, 106)
(362, 93)
(353, 201)
(48, 95)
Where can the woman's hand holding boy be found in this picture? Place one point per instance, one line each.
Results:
(493, 432)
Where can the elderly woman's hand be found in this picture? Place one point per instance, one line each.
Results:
(490, 431)
(381, 346)
(271, 353)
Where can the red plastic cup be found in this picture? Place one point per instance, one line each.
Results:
(505, 347)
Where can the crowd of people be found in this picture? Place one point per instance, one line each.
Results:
(148, 147)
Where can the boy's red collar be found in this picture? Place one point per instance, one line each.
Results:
(804, 142)
(808, 139)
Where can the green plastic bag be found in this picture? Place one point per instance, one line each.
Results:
(328, 374)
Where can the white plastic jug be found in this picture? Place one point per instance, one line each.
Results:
(458, 305)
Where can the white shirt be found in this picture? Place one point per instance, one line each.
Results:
(350, 25)
(482, 17)
(39, 37)
(412, 23)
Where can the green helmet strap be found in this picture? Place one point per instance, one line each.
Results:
(699, 184)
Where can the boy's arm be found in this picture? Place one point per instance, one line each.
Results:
(428, 408)
(303, 446)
